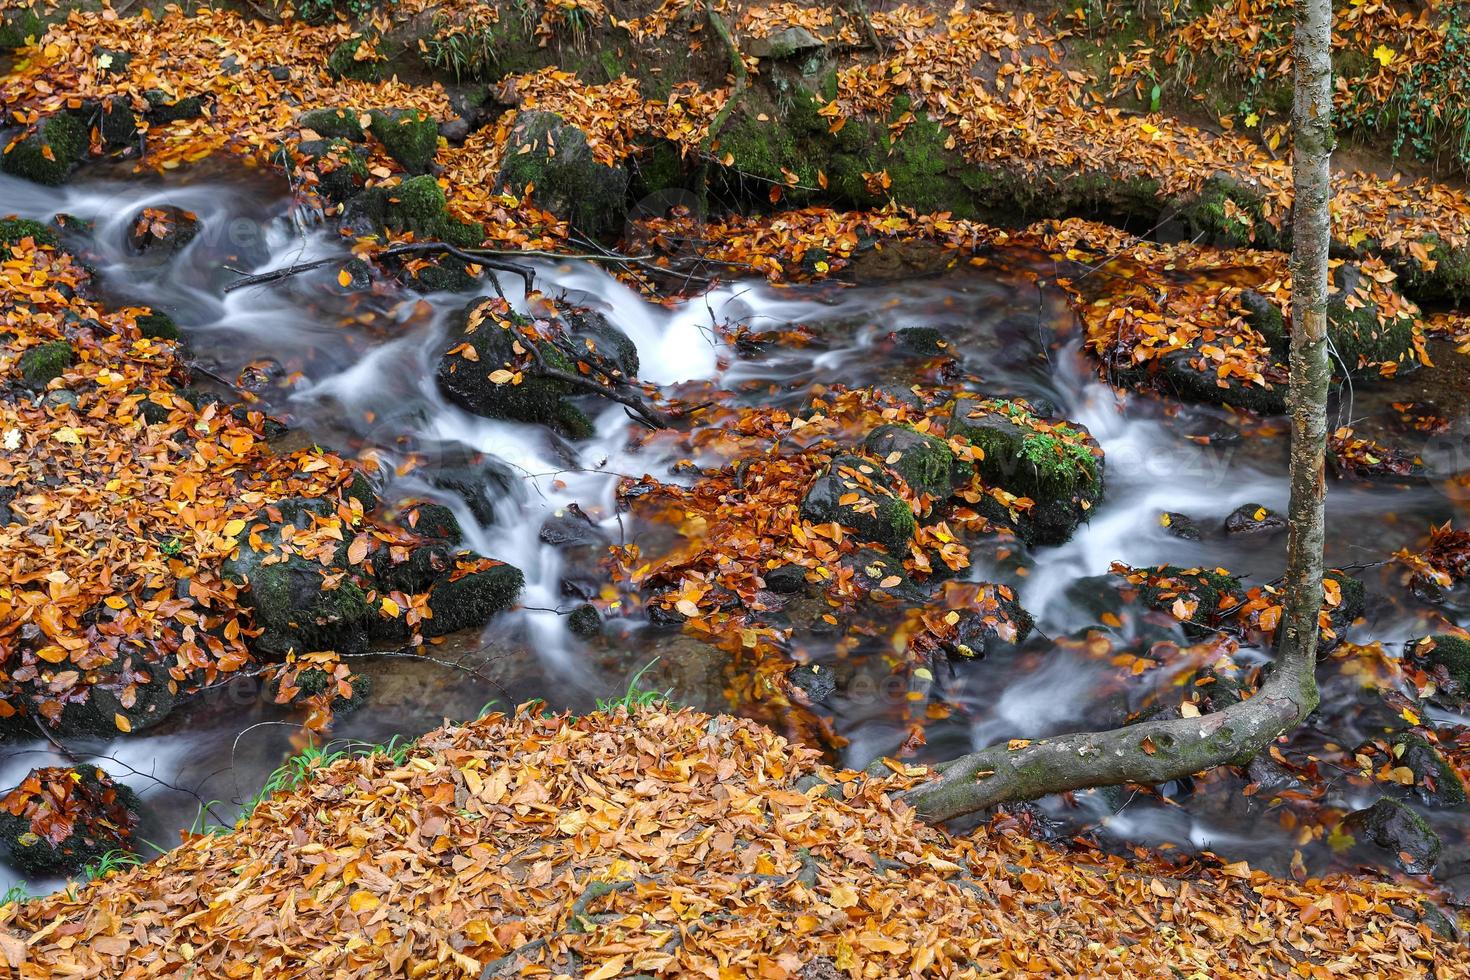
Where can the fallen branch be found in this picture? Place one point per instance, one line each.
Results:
(482, 257)
(618, 391)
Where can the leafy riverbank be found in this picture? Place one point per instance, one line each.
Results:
(675, 842)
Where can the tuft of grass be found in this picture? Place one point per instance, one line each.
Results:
(299, 769)
(635, 697)
(113, 860)
(17, 892)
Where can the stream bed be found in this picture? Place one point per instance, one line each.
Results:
(353, 370)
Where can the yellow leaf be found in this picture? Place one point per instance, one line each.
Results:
(844, 896)
(500, 377)
(115, 602)
(68, 435)
(608, 970)
(389, 607)
(1384, 54)
(122, 723)
(362, 901)
(233, 528)
(344, 278)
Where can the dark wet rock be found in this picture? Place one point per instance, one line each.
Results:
(1445, 657)
(117, 123)
(57, 397)
(786, 579)
(409, 136)
(993, 622)
(607, 347)
(161, 230)
(585, 621)
(875, 571)
(157, 326)
(417, 206)
(1226, 212)
(921, 341)
(571, 528)
(1352, 601)
(16, 230)
(547, 153)
(454, 130)
(59, 820)
(294, 605)
(50, 153)
(873, 512)
(20, 25)
(1056, 465)
(492, 339)
(483, 482)
(280, 73)
(313, 681)
(432, 521)
(1173, 589)
(471, 600)
(362, 490)
(1396, 828)
(355, 58)
(7, 497)
(1436, 782)
(1254, 519)
(424, 566)
(39, 366)
(925, 462)
(333, 123)
(790, 42)
(815, 682)
(340, 165)
(1180, 525)
(1358, 337)
(165, 108)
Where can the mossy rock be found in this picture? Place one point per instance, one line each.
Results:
(877, 515)
(1211, 590)
(157, 326)
(409, 136)
(432, 521)
(333, 123)
(1396, 828)
(141, 693)
(585, 621)
(495, 51)
(481, 481)
(1449, 655)
(415, 206)
(1227, 213)
(164, 108)
(608, 348)
(341, 166)
(103, 817)
(344, 63)
(1363, 342)
(50, 154)
(1176, 376)
(15, 230)
(117, 123)
(471, 600)
(39, 366)
(1447, 282)
(537, 399)
(424, 566)
(20, 26)
(925, 462)
(313, 681)
(1435, 780)
(554, 157)
(1051, 463)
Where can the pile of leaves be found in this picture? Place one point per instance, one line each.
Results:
(1442, 561)
(677, 843)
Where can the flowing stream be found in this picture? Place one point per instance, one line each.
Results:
(354, 372)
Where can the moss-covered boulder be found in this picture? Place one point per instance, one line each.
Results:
(19, 26)
(59, 820)
(409, 136)
(1227, 213)
(164, 107)
(50, 152)
(553, 157)
(602, 344)
(1362, 338)
(466, 600)
(416, 207)
(126, 695)
(857, 494)
(157, 326)
(1447, 281)
(481, 370)
(925, 462)
(1056, 466)
(333, 123)
(41, 365)
(1400, 831)
(340, 166)
(356, 58)
(1445, 657)
(1436, 782)
(313, 681)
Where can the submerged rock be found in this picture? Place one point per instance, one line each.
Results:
(553, 157)
(1396, 828)
(59, 820)
(1253, 519)
(1445, 657)
(161, 230)
(1181, 526)
(856, 493)
(1056, 465)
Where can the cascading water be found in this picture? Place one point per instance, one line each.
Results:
(356, 371)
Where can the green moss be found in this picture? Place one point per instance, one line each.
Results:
(332, 123)
(1211, 590)
(49, 154)
(343, 62)
(470, 601)
(877, 515)
(104, 814)
(567, 180)
(508, 47)
(1360, 339)
(20, 27)
(39, 366)
(164, 108)
(361, 489)
(158, 326)
(1447, 282)
(408, 136)
(340, 166)
(14, 230)
(1424, 760)
(925, 462)
(295, 611)
(1228, 214)
(416, 206)
(1452, 653)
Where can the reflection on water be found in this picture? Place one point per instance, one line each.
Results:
(354, 370)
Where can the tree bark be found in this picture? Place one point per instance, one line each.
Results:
(1161, 750)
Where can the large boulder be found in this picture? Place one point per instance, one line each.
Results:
(161, 230)
(857, 494)
(1400, 831)
(1057, 466)
(553, 157)
(50, 152)
(59, 820)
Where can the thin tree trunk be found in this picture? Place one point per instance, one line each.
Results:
(1158, 751)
